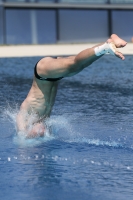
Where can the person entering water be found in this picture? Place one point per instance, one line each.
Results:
(37, 106)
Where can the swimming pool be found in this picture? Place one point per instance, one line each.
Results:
(90, 152)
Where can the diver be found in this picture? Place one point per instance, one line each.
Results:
(47, 73)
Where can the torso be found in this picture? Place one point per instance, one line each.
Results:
(38, 104)
(40, 98)
(36, 108)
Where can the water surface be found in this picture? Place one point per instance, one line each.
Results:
(90, 152)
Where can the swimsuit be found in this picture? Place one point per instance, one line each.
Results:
(44, 79)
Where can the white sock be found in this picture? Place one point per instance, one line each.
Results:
(105, 49)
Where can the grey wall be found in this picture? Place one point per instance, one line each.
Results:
(27, 26)
(122, 22)
(18, 26)
(1, 26)
(46, 26)
(41, 26)
(83, 25)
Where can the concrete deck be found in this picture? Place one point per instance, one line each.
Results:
(51, 50)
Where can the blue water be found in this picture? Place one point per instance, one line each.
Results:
(90, 152)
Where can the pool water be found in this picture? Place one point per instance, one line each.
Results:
(90, 152)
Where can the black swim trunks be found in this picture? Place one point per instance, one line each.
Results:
(44, 79)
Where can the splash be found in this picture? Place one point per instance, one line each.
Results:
(10, 114)
(97, 142)
(20, 137)
(62, 129)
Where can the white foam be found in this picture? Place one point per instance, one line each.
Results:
(9, 159)
(62, 130)
(9, 115)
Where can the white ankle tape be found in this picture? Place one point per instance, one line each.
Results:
(105, 49)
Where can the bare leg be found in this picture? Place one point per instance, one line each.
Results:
(88, 56)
